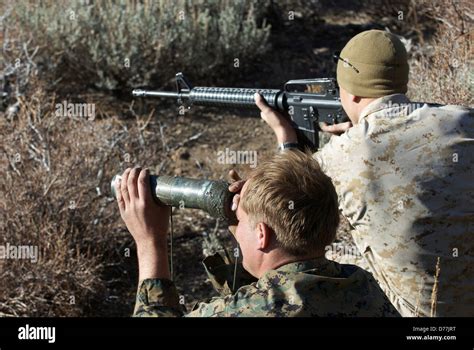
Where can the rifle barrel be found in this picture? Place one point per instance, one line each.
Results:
(149, 93)
(233, 97)
(219, 97)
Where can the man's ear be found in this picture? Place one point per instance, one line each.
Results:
(264, 236)
(354, 98)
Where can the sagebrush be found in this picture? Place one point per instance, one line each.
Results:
(122, 44)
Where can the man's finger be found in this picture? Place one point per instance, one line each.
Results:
(118, 192)
(124, 188)
(132, 183)
(261, 103)
(144, 191)
(236, 186)
(336, 128)
(234, 176)
(235, 202)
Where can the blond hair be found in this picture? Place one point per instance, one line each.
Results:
(291, 194)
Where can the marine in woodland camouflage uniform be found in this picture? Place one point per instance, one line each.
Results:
(318, 287)
(404, 175)
(302, 287)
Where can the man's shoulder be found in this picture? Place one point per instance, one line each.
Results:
(447, 108)
(331, 289)
(247, 301)
(398, 117)
(392, 122)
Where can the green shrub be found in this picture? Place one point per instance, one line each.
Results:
(123, 43)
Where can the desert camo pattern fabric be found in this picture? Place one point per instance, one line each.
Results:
(405, 180)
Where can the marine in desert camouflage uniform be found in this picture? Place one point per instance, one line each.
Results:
(404, 174)
(288, 214)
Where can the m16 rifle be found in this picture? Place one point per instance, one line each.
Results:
(306, 102)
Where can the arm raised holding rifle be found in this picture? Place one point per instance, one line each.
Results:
(291, 109)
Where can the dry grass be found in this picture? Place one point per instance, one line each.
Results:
(434, 292)
(56, 196)
(48, 203)
(441, 68)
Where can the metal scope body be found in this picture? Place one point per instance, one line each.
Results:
(211, 196)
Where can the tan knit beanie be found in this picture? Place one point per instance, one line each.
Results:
(373, 64)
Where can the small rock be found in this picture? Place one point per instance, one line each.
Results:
(184, 155)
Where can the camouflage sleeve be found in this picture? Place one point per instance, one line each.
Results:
(245, 302)
(157, 298)
(215, 307)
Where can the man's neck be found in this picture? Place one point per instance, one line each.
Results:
(277, 259)
(364, 102)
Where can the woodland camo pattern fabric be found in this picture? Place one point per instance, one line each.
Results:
(318, 287)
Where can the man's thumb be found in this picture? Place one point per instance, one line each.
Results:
(260, 102)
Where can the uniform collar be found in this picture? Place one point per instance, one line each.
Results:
(384, 102)
(305, 265)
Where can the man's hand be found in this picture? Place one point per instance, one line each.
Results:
(147, 221)
(336, 129)
(236, 184)
(280, 125)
